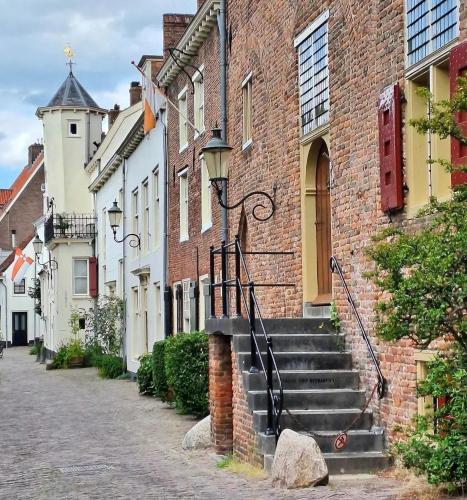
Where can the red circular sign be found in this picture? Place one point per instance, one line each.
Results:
(341, 441)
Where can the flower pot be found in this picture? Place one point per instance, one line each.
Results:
(76, 362)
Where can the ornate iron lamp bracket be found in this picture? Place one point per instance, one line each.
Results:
(134, 242)
(269, 198)
(52, 263)
(175, 55)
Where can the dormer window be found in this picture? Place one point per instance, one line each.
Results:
(73, 130)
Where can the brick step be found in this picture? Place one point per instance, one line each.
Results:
(303, 360)
(309, 399)
(358, 441)
(317, 420)
(297, 342)
(348, 463)
(305, 379)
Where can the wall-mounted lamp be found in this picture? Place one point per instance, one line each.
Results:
(38, 244)
(217, 155)
(115, 218)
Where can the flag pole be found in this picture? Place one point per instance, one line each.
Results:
(166, 97)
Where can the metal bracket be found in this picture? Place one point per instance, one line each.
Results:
(175, 55)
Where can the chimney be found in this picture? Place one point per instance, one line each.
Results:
(200, 3)
(174, 25)
(113, 113)
(156, 65)
(135, 93)
(34, 150)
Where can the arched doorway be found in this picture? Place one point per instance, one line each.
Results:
(323, 228)
(316, 224)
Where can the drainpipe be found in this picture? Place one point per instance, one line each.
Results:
(124, 351)
(6, 310)
(221, 19)
(165, 248)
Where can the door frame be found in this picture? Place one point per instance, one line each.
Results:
(13, 330)
(310, 148)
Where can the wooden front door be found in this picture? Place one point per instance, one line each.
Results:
(20, 328)
(323, 228)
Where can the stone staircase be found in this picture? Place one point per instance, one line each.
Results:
(321, 391)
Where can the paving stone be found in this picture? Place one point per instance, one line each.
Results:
(67, 434)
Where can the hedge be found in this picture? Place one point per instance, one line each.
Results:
(186, 368)
(144, 375)
(161, 388)
(110, 366)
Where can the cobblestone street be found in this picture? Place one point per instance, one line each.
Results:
(67, 434)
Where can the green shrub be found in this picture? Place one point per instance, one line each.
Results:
(161, 387)
(144, 375)
(442, 454)
(61, 357)
(93, 355)
(186, 366)
(110, 366)
(35, 349)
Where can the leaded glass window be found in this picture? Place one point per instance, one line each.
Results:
(314, 75)
(431, 24)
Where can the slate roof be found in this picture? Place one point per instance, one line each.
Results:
(72, 93)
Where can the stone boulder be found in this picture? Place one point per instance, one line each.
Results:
(198, 436)
(298, 462)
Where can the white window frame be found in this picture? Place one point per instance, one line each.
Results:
(135, 216)
(73, 122)
(247, 111)
(432, 56)
(183, 119)
(198, 101)
(158, 311)
(186, 305)
(206, 197)
(203, 280)
(183, 206)
(156, 223)
(312, 124)
(74, 276)
(146, 235)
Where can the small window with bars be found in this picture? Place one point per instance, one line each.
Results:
(431, 24)
(312, 47)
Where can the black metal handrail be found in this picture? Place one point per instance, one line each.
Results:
(335, 267)
(70, 226)
(275, 398)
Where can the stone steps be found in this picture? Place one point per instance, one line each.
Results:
(309, 399)
(348, 463)
(317, 360)
(357, 441)
(316, 420)
(312, 379)
(288, 342)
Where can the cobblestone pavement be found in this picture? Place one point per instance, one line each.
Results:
(66, 434)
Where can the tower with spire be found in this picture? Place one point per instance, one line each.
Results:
(72, 124)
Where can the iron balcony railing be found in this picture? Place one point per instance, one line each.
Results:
(70, 226)
(275, 396)
(336, 268)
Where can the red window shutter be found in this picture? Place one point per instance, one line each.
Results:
(457, 67)
(390, 150)
(93, 277)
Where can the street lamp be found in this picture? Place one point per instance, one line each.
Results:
(38, 244)
(115, 218)
(217, 155)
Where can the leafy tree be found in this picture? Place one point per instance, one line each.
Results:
(423, 276)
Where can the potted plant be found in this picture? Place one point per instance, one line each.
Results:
(62, 224)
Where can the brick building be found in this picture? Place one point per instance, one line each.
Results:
(319, 97)
(21, 204)
(193, 220)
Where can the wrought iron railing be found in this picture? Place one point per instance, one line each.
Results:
(275, 396)
(336, 268)
(70, 226)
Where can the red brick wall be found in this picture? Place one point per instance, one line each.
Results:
(20, 215)
(190, 259)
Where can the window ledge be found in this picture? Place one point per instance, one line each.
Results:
(184, 238)
(206, 228)
(201, 133)
(183, 148)
(247, 144)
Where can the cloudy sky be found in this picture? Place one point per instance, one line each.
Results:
(105, 36)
